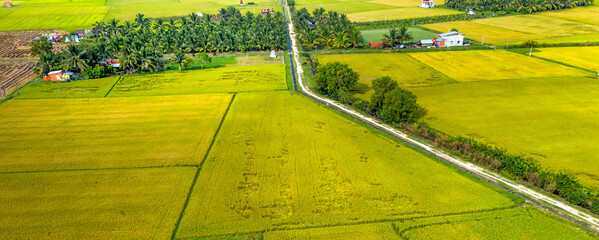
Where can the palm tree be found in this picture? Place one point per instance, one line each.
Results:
(73, 60)
(141, 21)
(178, 58)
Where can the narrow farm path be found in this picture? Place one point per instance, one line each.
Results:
(554, 205)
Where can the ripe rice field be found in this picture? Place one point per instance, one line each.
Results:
(70, 15)
(217, 80)
(582, 27)
(102, 204)
(365, 11)
(378, 231)
(77, 89)
(583, 57)
(554, 120)
(485, 65)
(281, 161)
(401, 67)
(514, 223)
(91, 133)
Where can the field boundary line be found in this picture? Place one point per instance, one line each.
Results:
(200, 167)
(187, 200)
(363, 222)
(557, 206)
(95, 169)
(115, 83)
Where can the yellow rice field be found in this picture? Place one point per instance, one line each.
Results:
(484, 65)
(520, 28)
(584, 57)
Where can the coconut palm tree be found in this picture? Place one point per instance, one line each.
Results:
(73, 59)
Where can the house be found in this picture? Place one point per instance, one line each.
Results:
(427, 4)
(7, 4)
(449, 39)
(58, 76)
(426, 42)
(112, 62)
(376, 44)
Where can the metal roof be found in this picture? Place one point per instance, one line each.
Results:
(449, 34)
(55, 72)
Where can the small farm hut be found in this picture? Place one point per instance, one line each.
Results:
(376, 44)
(58, 76)
(7, 4)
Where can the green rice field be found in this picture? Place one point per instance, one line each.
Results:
(90, 133)
(281, 162)
(70, 15)
(485, 65)
(401, 67)
(76, 89)
(551, 119)
(577, 25)
(514, 223)
(366, 10)
(103, 204)
(376, 35)
(217, 80)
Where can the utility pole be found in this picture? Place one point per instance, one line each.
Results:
(60, 94)
(483, 42)
(507, 45)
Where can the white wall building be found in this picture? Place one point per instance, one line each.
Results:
(449, 39)
(427, 4)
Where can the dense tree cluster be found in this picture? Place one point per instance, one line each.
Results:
(397, 36)
(335, 80)
(141, 44)
(521, 6)
(323, 29)
(393, 104)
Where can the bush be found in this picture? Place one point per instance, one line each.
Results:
(98, 72)
(334, 78)
(291, 3)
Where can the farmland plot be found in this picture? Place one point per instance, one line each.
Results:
(49, 134)
(75, 89)
(281, 161)
(515, 223)
(229, 79)
(553, 120)
(400, 67)
(467, 66)
(583, 57)
(80, 14)
(103, 204)
(364, 10)
(520, 28)
(379, 231)
(14, 74)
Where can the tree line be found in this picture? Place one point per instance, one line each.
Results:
(516, 6)
(140, 45)
(322, 29)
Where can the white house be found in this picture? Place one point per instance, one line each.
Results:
(449, 39)
(427, 4)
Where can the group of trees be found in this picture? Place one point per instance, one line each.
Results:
(389, 102)
(323, 29)
(517, 166)
(393, 104)
(521, 6)
(140, 45)
(397, 36)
